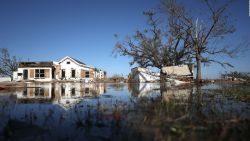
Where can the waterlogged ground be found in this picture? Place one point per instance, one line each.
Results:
(125, 112)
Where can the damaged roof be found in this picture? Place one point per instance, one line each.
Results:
(180, 70)
(35, 64)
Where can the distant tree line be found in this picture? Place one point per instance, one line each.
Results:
(236, 76)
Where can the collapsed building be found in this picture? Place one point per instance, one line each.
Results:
(179, 74)
(141, 75)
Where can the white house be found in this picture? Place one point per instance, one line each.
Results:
(100, 74)
(67, 68)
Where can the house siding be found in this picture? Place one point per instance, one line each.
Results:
(91, 74)
(32, 73)
(47, 73)
(82, 73)
(58, 71)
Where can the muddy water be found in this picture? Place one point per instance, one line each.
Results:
(76, 111)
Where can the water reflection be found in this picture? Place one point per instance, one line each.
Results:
(64, 94)
(145, 111)
(144, 89)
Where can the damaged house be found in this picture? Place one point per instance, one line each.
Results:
(42, 71)
(180, 72)
(67, 68)
(139, 74)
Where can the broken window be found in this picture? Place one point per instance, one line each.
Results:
(63, 73)
(87, 74)
(39, 73)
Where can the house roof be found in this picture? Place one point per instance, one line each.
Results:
(78, 61)
(35, 64)
(74, 60)
(180, 70)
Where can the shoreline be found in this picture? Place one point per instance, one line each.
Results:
(13, 86)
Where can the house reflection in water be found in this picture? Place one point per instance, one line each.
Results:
(64, 94)
(176, 94)
(35, 91)
(155, 89)
(144, 89)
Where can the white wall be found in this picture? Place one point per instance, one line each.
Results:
(16, 77)
(72, 66)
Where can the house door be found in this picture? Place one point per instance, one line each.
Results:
(73, 72)
(25, 74)
(63, 73)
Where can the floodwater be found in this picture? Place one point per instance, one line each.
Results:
(125, 112)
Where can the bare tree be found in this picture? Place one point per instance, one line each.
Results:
(187, 38)
(8, 63)
(152, 47)
(202, 35)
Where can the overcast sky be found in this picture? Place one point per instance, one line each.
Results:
(48, 30)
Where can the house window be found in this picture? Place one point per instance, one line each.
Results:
(87, 74)
(63, 73)
(73, 73)
(39, 73)
(68, 62)
(19, 74)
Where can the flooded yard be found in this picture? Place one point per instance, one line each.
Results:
(122, 112)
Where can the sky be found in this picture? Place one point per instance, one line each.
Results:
(48, 30)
